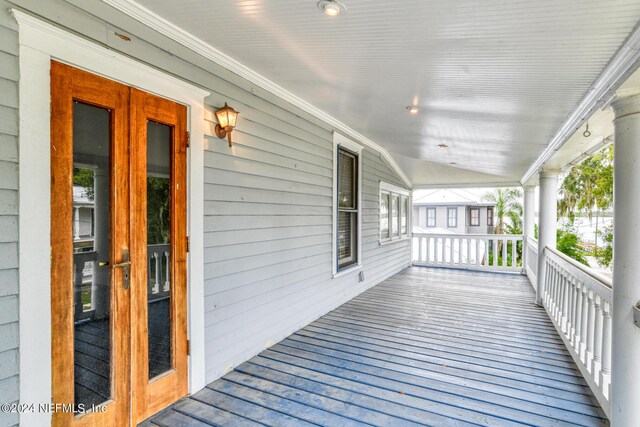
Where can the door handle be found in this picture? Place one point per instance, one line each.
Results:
(125, 265)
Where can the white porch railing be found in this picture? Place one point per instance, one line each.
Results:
(578, 301)
(159, 273)
(158, 282)
(531, 260)
(490, 252)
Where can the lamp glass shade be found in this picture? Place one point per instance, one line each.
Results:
(227, 116)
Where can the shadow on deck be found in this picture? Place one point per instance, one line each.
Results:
(425, 347)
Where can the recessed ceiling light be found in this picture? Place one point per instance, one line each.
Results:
(413, 109)
(443, 146)
(331, 7)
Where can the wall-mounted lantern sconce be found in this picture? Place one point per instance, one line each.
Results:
(227, 118)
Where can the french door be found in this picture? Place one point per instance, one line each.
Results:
(118, 250)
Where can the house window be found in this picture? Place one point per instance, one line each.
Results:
(452, 217)
(474, 217)
(384, 215)
(348, 209)
(431, 217)
(395, 202)
(394, 212)
(404, 212)
(490, 217)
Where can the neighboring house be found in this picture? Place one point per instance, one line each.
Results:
(452, 212)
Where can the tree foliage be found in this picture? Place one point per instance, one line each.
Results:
(569, 244)
(158, 204)
(588, 187)
(507, 206)
(84, 178)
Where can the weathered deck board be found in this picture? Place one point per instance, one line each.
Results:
(425, 347)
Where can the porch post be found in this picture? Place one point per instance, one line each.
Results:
(529, 211)
(625, 365)
(100, 286)
(547, 227)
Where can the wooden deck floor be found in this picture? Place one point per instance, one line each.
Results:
(426, 347)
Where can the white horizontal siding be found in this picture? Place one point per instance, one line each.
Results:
(8, 216)
(268, 241)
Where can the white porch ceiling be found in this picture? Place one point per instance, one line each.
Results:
(494, 79)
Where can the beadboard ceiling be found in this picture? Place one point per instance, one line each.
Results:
(495, 80)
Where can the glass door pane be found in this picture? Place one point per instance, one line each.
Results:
(91, 253)
(159, 248)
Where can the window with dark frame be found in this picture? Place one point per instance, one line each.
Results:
(394, 213)
(452, 217)
(490, 217)
(431, 217)
(474, 217)
(348, 209)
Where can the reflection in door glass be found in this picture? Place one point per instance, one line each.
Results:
(91, 245)
(158, 248)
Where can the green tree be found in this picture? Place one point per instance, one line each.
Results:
(569, 244)
(158, 204)
(84, 178)
(588, 187)
(507, 203)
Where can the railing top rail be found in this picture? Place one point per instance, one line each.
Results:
(471, 236)
(532, 239)
(158, 246)
(601, 284)
(85, 256)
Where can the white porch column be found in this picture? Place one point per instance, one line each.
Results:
(625, 366)
(100, 288)
(529, 211)
(548, 223)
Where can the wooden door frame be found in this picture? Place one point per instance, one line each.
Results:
(69, 85)
(39, 43)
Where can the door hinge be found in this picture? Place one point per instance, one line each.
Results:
(188, 139)
(188, 347)
(188, 243)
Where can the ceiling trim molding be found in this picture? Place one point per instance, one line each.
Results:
(621, 66)
(177, 34)
(468, 185)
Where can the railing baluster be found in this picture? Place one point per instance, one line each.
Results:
(565, 305)
(514, 254)
(585, 326)
(605, 370)
(597, 338)
(167, 277)
(158, 272)
(590, 329)
(577, 342)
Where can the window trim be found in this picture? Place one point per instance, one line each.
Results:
(490, 217)
(435, 216)
(400, 193)
(341, 141)
(471, 224)
(455, 218)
